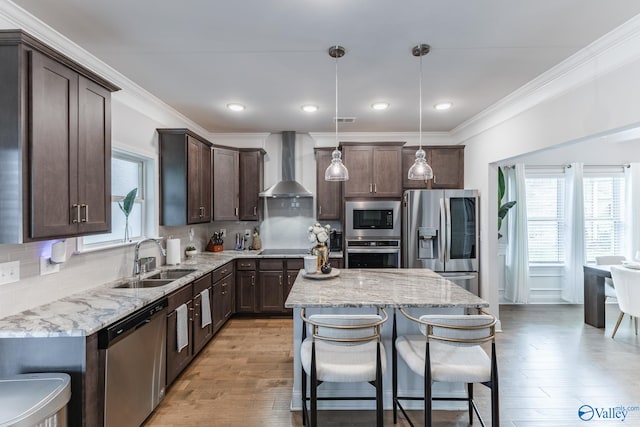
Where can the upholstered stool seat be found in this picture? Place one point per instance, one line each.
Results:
(341, 348)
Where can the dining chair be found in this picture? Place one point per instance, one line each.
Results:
(609, 289)
(341, 348)
(448, 350)
(627, 283)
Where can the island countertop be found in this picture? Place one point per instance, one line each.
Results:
(410, 287)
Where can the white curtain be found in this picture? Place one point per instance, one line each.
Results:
(517, 259)
(632, 205)
(573, 283)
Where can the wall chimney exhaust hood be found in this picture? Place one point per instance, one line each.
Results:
(288, 186)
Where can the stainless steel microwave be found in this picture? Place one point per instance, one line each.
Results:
(380, 218)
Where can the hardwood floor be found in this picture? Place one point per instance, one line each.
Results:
(550, 364)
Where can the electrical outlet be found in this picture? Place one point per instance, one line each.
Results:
(9, 272)
(247, 233)
(47, 268)
(224, 233)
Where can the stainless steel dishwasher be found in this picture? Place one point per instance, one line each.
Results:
(132, 354)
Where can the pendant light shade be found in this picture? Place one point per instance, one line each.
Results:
(336, 171)
(420, 169)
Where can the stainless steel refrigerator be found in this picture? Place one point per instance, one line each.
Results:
(440, 232)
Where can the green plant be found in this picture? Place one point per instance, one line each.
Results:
(503, 208)
(190, 248)
(126, 207)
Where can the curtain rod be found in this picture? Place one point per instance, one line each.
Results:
(568, 166)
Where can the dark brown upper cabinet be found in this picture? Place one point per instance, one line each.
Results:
(226, 184)
(328, 193)
(374, 169)
(55, 143)
(447, 162)
(185, 177)
(251, 183)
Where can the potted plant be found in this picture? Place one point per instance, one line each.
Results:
(126, 207)
(190, 251)
(503, 208)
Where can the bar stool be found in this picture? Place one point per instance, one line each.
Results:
(449, 350)
(341, 348)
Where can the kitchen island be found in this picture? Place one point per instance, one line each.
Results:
(363, 291)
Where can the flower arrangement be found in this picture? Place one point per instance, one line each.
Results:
(318, 234)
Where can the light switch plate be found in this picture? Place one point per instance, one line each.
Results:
(9, 272)
(47, 268)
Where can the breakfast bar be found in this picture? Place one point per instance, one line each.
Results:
(363, 291)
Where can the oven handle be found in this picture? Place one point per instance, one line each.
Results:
(373, 251)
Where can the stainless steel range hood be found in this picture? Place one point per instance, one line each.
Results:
(288, 186)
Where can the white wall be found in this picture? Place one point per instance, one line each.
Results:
(605, 105)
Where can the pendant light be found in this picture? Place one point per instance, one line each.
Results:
(336, 171)
(420, 170)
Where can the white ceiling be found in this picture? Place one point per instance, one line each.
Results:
(271, 55)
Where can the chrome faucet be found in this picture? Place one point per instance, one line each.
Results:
(136, 260)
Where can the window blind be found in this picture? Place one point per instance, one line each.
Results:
(545, 216)
(604, 214)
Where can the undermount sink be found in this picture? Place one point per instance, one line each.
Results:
(172, 274)
(145, 283)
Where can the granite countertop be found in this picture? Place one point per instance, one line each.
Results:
(410, 287)
(89, 311)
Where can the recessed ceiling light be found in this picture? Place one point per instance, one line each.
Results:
(235, 107)
(309, 108)
(442, 106)
(380, 105)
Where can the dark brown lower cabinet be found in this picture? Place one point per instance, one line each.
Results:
(223, 296)
(178, 360)
(271, 291)
(201, 334)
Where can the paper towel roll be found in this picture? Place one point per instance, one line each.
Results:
(173, 251)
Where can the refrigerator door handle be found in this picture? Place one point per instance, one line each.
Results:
(441, 238)
(447, 209)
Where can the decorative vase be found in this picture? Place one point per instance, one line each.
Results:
(322, 252)
(126, 229)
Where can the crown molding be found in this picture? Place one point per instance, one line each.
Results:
(608, 53)
(240, 140)
(328, 139)
(131, 95)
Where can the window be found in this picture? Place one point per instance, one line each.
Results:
(545, 216)
(128, 171)
(604, 219)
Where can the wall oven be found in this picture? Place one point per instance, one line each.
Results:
(372, 234)
(373, 254)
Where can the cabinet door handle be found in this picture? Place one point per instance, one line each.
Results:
(434, 179)
(320, 210)
(370, 188)
(375, 188)
(235, 210)
(77, 218)
(255, 211)
(280, 278)
(86, 212)
(253, 280)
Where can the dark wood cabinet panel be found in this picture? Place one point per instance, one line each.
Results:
(359, 161)
(201, 335)
(447, 163)
(185, 178)
(177, 360)
(56, 125)
(246, 292)
(387, 162)
(94, 157)
(271, 291)
(55, 209)
(448, 167)
(251, 175)
(217, 307)
(328, 193)
(374, 169)
(226, 187)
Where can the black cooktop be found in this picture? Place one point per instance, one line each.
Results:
(301, 252)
